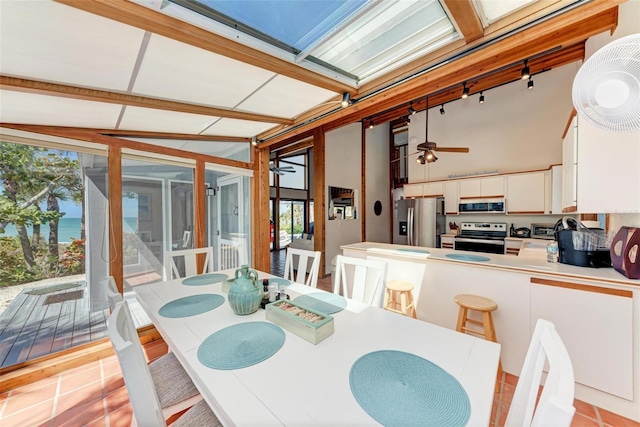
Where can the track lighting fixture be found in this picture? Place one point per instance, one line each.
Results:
(525, 73)
(442, 109)
(530, 83)
(421, 160)
(430, 157)
(481, 100)
(254, 141)
(370, 123)
(465, 90)
(408, 119)
(346, 99)
(411, 110)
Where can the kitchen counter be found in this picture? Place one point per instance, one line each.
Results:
(593, 310)
(507, 262)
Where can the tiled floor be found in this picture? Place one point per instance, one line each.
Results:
(95, 395)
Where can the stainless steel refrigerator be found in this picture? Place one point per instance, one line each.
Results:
(421, 222)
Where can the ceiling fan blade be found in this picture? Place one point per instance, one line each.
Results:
(452, 149)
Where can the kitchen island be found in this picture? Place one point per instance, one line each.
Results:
(593, 310)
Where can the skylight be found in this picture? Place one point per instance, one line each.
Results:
(491, 10)
(361, 39)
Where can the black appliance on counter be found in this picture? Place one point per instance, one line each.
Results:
(522, 232)
(589, 256)
(485, 237)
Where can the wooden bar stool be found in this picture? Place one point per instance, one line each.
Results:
(485, 306)
(399, 298)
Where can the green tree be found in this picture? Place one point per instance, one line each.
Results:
(30, 175)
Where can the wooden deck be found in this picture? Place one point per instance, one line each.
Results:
(37, 323)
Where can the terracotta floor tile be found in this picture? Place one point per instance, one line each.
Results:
(494, 411)
(80, 379)
(32, 416)
(615, 420)
(507, 393)
(585, 409)
(510, 379)
(79, 397)
(100, 422)
(117, 399)
(111, 367)
(580, 420)
(121, 417)
(112, 383)
(36, 385)
(21, 399)
(82, 369)
(81, 414)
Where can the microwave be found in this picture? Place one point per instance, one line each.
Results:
(494, 205)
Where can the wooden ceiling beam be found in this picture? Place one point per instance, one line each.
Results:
(75, 92)
(568, 29)
(156, 22)
(464, 14)
(88, 135)
(483, 83)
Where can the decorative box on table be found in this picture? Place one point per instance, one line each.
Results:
(308, 324)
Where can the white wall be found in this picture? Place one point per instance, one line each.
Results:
(377, 185)
(343, 168)
(515, 129)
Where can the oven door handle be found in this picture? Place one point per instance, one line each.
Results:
(490, 242)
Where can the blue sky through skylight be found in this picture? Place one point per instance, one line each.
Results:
(297, 23)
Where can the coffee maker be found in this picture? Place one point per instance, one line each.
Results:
(581, 246)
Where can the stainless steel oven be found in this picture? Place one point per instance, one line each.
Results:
(485, 237)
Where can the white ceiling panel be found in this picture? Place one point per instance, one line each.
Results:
(211, 148)
(27, 108)
(138, 118)
(175, 70)
(44, 40)
(286, 97)
(235, 127)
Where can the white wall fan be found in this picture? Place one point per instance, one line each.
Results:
(281, 170)
(606, 89)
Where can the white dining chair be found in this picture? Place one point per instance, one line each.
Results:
(113, 295)
(189, 257)
(296, 266)
(368, 281)
(555, 406)
(158, 390)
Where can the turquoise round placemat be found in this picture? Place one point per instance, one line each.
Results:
(467, 257)
(401, 389)
(419, 251)
(204, 279)
(191, 305)
(279, 281)
(323, 302)
(241, 345)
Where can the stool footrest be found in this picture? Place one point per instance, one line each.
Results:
(473, 331)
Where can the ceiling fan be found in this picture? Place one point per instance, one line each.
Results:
(281, 170)
(427, 148)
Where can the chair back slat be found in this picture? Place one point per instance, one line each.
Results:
(368, 279)
(555, 406)
(298, 259)
(137, 377)
(189, 262)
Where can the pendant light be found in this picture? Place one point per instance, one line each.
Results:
(465, 90)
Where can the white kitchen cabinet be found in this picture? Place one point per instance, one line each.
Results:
(446, 241)
(595, 325)
(482, 187)
(412, 190)
(432, 189)
(512, 246)
(570, 167)
(555, 198)
(526, 193)
(451, 197)
(616, 186)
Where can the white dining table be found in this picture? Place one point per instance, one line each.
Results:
(304, 383)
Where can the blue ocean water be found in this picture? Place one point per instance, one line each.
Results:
(68, 229)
